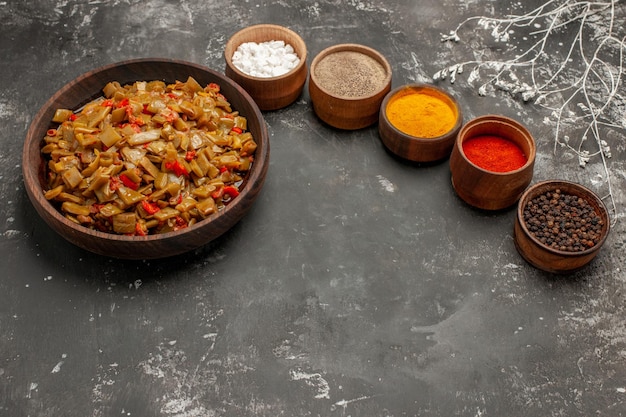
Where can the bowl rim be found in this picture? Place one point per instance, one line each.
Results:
(31, 174)
(230, 44)
(450, 134)
(353, 47)
(530, 160)
(533, 191)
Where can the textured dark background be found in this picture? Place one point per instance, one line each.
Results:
(358, 285)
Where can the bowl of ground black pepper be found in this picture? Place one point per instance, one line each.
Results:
(269, 62)
(492, 162)
(560, 226)
(347, 84)
(419, 122)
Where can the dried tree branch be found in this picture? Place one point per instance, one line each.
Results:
(580, 85)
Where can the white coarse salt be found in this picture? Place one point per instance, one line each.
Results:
(265, 59)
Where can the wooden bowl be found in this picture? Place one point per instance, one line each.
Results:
(270, 93)
(347, 84)
(88, 87)
(543, 256)
(414, 142)
(485, 189)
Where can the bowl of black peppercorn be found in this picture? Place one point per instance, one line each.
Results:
(560, 226)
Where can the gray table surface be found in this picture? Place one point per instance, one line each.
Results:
(358, 285)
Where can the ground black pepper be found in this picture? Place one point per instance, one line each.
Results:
(563, 221)
(350, 74)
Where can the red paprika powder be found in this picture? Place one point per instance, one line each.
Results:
(494, 153)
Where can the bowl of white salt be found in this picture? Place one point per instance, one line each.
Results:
(269, 62)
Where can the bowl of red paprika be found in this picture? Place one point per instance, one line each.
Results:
(419, 122)
(560, 226)
(492, 162)
(130, 172)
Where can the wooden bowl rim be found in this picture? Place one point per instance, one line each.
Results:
(504, 120)
(230, 45)
(573, 188)
(354, 47)
(31, 174)
(450, 134)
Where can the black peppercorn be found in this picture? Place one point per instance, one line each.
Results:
(562, 221)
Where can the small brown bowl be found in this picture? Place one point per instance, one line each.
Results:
(347, 84)
(543, 256)
(484, 189)
(88, 87)
(271, 93)
(423, 145)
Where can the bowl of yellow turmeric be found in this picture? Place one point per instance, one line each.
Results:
(146, 158)
(419, 122)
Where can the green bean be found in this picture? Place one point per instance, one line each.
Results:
(147, 157)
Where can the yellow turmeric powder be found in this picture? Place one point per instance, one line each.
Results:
(421, 113)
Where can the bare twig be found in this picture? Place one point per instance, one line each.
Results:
(580, 85)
